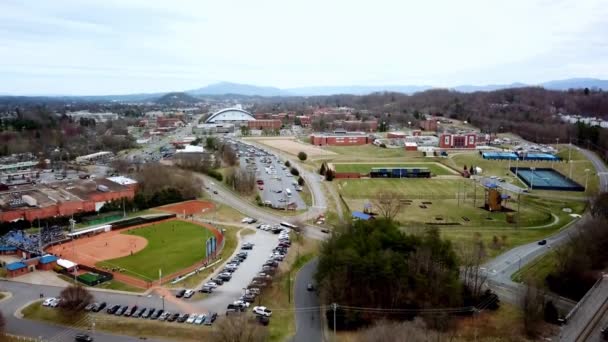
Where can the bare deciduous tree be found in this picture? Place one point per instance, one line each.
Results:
(73, 299)
(532, 303)
(239, 328)
(472, 274)
(388, 204)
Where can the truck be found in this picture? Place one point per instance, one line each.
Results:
(288, 192)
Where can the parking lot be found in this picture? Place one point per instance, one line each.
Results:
(279, 187)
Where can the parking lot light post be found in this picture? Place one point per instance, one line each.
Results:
(163, 298)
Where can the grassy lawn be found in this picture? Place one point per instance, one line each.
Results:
(365, 168)
(229, 247)
(408, 188)
(3, 272)
(276, 296)
(306, 195)
(122, 326)
(538, 269)
(223, 213)
(172, 246)
(108, 285)
(372, 152)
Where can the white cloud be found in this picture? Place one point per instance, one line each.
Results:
(92, 47)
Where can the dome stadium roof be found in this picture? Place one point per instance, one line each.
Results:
(230, 114)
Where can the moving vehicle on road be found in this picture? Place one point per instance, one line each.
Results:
(289, 225)
(83, 338)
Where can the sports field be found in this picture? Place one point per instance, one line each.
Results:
(408, 188)
(435, 168)
(172, 246)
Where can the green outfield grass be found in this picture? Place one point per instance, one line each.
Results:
(372, 151)
(172, 246)
(435, 168)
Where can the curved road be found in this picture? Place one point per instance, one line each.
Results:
(500, 269)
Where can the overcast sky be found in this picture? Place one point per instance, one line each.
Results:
(123, 46)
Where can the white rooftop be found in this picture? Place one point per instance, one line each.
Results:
(191, 149)
(122, 180)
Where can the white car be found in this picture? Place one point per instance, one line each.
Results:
(210, 284)
(192, 318)
(49, 301)
(262, 311)
(55, 303)
(200, 319)
(188, 293)
(241, 303)
(246, 220)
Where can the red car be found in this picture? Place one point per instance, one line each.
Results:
(260, 182)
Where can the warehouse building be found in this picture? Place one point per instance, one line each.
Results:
(31, 202)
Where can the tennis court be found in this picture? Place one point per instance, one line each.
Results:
(546, 179)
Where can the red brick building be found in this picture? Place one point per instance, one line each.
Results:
(429, 125)
(265, 124)
(468, 140)
(169, 122)
(355, 125)
(305, 120)
(347, 139)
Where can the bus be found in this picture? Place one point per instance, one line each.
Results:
(288, 192)
(288, 225)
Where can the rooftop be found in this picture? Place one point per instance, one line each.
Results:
(15, 266)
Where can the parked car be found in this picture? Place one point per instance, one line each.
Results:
(192, 318)
(164, 316)
(262, 311)
(112, 310)
(100, 307)
(180, 293)
(210, 284)
(200, 319)
(217, 280)
(542, 242)
(210, 318)
(182, 318)
(241, 303)
(88, 307)
(173, 317)
(148, 313)
(83, 338)
(129, 313)
(224, 276)
(206, 289)
(48, 301)
(122, 310)
(157, 314)
(310, 287)
(141, 311)
(188, 293)
(247, 246)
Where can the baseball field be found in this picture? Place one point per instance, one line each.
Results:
(172, 246)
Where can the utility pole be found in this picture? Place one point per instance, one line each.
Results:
(570, 158)
(334, 306)
(474, 192)
(289, 286)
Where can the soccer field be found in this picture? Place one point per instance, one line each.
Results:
(364, 168)
(172, 246)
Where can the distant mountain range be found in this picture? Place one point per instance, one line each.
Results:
(245, 90)
(225, 88)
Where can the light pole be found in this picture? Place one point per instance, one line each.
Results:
(586, 178)
(532, 181)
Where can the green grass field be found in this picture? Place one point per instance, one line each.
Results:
(172, 246)
(371, 152)
(408, 188)
(435, 168)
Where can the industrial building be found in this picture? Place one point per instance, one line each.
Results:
(38, 201)
(340, 138)
(234, 116)
(428, 125)
(468, 140)
(208, 129)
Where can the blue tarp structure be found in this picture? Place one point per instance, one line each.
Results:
(500, 155)
(361, 216)
(15, 266)
(541, 157)
(7, 248)
(47, 259)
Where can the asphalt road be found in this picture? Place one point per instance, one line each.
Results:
(590, 316)
(600, 167)
(308, 315)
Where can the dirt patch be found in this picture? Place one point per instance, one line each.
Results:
(294, 147)
(90, 250)
(188, 207)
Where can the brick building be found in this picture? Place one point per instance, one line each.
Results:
(265, 124)
(355, 125)
(339, 139)
(395, 135)
(468, 140)
(429, 125)
(305, 120)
